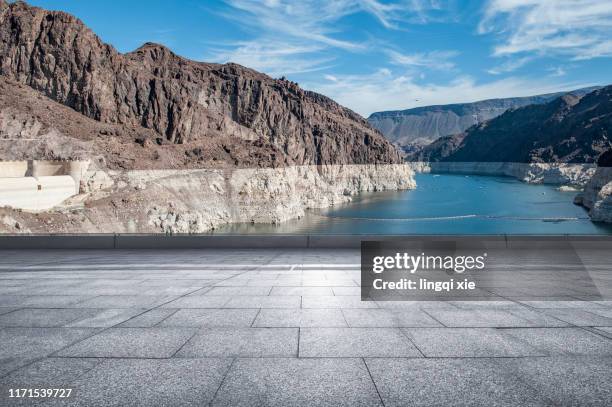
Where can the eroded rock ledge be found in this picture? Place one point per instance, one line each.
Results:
(196, 201)
(537, 173)
(597, 195)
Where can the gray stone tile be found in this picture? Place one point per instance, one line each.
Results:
(336, 302)
(172, 291)
(329, 282)
(450, 382)
(149, 318)
(347, 290)
(105, 318)
(197, 301)
(370, 318)
(211, 318)
(607, 329)
(414, 305)
(469, 342)
(183, 282)
(20, 345)
(41, 318)
(355, 342)
(480, 318)
(10, 363)
(6, 310)
(569, 381)
(489, 304)
(264, 302)
(42, 301)
(537, 318)
(579, 317)
(562, 304)
(301, 291)
(168, 382)
(131, 343)
(300, 318)
(236, 291)
(125, 301)
(4, 290)
(297, 382)
(50, 373)
(242, 342)
(564, 341)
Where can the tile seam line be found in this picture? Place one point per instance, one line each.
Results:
(382, 402)
(212, 400)
(405, 335)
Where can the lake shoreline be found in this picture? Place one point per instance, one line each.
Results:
(576, 175)
(446, 204)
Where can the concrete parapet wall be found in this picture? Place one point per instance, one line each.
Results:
(39, 185)
(36, 194)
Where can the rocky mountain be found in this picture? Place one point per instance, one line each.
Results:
(152, 108)
(569, 129)
(422, 125)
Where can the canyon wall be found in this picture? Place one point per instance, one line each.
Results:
(214, 113)
(537, 173)
(196, 201)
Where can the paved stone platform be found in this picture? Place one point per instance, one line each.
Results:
(280, 328)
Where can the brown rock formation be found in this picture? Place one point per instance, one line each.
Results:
(205, 108)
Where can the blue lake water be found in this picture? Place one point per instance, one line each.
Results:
(447, 204)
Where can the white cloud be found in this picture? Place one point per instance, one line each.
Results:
(433, 60)
(558, 71)
(510, 66)
(276, 58)
(290, 36)
(580, 29)
(381, 90)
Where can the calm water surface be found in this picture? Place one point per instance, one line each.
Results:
(447, 204)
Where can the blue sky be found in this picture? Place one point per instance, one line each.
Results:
(373, 55)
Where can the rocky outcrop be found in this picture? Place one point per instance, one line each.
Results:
(567, 130)
(597, 194)
(422, 125)
(243, 116)
(195, 201)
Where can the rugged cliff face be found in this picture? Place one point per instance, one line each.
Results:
(201, 107)
(422, 125)
(175, 146)
(195, 201)
(567, 130)
(597, 194)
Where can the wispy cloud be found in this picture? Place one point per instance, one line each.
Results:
(579, 29)
(440, 60)
(381, 90)
(276, 58)
(558, 71)
(510, 65)
(292, 36)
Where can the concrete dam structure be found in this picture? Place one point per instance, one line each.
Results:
(39, 185)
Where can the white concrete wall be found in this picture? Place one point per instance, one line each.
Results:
(36, 194)
(13, 169)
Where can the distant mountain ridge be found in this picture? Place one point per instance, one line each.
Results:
(422, 125)
(568, 129)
